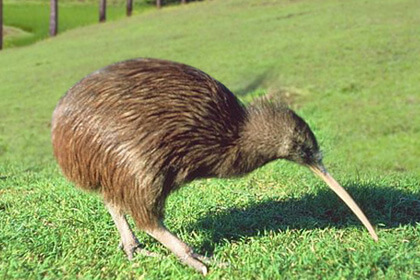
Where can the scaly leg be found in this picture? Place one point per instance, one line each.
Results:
(129, 242)
(179, 248)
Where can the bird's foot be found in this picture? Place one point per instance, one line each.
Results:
(133, 248)
(201, 263)
(195, 261)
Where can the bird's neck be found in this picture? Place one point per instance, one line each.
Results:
(252, 149)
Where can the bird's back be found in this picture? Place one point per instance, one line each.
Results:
(144, 116)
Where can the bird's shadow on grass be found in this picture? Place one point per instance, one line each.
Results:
(386, 207)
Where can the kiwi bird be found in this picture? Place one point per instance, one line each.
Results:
(137, 130)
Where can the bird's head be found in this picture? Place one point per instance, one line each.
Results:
(279, 133)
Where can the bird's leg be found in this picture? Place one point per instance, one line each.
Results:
(129, 242)
(178, 247)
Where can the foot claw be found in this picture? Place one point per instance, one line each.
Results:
(201, 258)
(210, 261)
(146, 253)
(192, 261)
(131, 249)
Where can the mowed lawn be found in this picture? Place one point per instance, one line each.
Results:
(350, 68)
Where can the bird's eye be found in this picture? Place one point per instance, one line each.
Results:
(319, 156)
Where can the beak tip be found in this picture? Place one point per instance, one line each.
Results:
(322, 172)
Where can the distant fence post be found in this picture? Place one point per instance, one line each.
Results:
(102, 10)
(53, 17)
(129, 7)
(158, 4)
(1, 24)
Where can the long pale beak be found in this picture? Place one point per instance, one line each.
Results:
(342, 193)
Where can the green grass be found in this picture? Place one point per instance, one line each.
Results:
(349, 68)
(33, 17)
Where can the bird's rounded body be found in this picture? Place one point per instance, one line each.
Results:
(137, 129)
